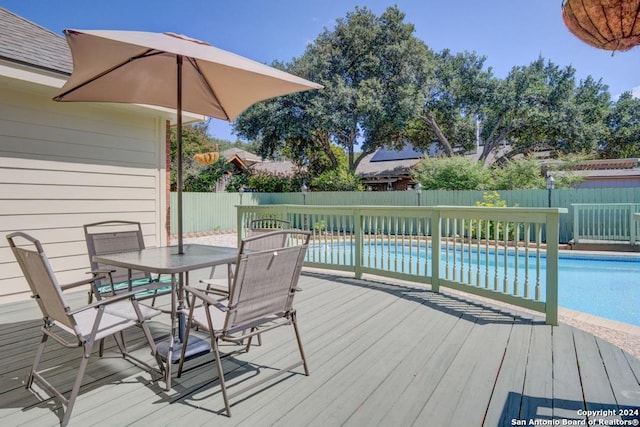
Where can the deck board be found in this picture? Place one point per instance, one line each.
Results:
(380, 353)
(567, 390)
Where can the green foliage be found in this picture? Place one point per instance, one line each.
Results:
(206, 180)
(370, 67)
(454, 173)
(517, 174)
(194, 141)
(264, 182)
(340, 180)
(492, 200)
(462, 173)
(453, 92)
(624, 124)
(237, 181)
(541, 104)
(319, 226)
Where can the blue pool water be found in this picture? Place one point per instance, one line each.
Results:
(606, 286)
(603, 285)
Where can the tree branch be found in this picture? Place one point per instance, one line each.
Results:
(442, 139)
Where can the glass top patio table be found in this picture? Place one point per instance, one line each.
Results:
(167, 260)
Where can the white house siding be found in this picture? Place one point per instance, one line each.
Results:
(63, 165)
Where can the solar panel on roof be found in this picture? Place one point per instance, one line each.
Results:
(408, 152)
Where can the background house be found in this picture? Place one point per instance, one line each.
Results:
(605, 173)
(246, 162)
(387, 170)
(63, 165)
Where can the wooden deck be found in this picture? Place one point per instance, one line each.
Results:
(380, 353)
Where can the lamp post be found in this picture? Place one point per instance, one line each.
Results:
(241, 191)
(551, 184)
(304, 190)
(418, 188)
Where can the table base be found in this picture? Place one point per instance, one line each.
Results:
(195, 348)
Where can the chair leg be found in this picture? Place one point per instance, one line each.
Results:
(294, 322)
(76, 387)
(36, 361)
(223, 387)
(154, 350)
(119, 338)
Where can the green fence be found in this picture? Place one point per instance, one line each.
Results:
(497, 253)
(217, 211)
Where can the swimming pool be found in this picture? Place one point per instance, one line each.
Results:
(602, 285)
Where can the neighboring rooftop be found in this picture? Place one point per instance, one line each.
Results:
(27, 43)
(246, 160)
(245, 156)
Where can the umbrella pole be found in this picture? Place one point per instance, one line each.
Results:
(179, 149)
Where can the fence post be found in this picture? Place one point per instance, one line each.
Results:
(436, 237)
(357, 216)
(633, 228)
(240, 223)
(551, 300)
(576, 223)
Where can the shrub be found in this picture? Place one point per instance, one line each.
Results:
(453, 173)
(492, 200)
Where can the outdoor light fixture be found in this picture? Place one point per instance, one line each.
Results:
(605, 24)
(241, 191)
(304, 190)
(418, 188)
(551, 184)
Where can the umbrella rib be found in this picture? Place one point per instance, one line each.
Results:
(212, 92)
(145, 54)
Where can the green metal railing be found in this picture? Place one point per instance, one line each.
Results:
(506, 254)
(605, 222)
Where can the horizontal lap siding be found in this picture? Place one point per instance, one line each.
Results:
(63, 165)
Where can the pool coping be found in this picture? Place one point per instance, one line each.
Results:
(580, 316)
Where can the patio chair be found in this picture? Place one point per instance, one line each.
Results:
(258, 239)
(261, 300)
(109, 237)
(74, 328)
(265, 225)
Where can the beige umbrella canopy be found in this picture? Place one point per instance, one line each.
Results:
(172, 71)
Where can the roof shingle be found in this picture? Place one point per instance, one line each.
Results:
(28, 43)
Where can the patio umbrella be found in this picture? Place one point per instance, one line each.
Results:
(173, 71)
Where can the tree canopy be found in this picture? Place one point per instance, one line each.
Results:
(383, 87)
(623, 121)
(371, 68)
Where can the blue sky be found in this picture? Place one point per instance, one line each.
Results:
(508, 32)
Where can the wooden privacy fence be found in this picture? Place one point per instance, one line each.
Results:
(217, 211)
(506, 254)
(605, 222)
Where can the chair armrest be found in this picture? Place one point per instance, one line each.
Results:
(80, 283)
(103, 272)
(111, 300)
(206, 298)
